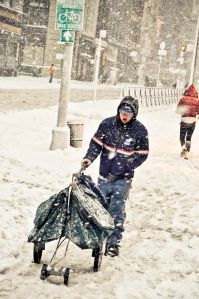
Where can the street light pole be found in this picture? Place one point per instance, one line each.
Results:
(159, 68)
(193, 65)
(102, 35)
(178, 79)
(181, 61)
(161, 52)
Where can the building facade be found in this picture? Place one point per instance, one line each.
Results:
(30, 41)
(121, 20)
(178, 27)
(40, 44)
(11, 23)
(172, 22)
(34, 33)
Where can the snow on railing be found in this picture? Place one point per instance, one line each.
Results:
(152, 96)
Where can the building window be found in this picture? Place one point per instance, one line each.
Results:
(90, 17)
(38, 13)
(116, 5)
(33, 55)
(7, 2)
(2, 52)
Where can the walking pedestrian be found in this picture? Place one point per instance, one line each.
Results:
(188, 108)
(51, 71)
(122, 143)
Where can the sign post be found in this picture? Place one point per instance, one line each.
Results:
(98, 55)
(193, 64)
(69, 17)
(161, 52)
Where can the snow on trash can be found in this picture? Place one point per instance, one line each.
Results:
(76, 132)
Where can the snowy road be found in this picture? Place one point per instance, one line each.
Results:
(159, 254)
(24, 93)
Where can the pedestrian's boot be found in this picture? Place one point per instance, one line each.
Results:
(184, 150)
(188, 145)
(186, 155)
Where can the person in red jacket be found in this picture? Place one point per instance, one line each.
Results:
(188, 108)
(51, 72)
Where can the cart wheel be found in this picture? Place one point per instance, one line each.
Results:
(66, 276)
(37, 252)
(97, 254)
(44, 272)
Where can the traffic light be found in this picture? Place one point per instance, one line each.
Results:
(183, 48)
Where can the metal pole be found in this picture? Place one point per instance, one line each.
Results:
(61, 134)
(97, 68)
(193, 65)
(65, 83)
(158, 79)
(178, 79)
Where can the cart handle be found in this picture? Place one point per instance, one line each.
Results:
(77, 174)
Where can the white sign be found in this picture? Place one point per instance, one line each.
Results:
(162, 52)
(181, 60)
(162, 45)
(59, 56)
(190, 47)
(103, 33)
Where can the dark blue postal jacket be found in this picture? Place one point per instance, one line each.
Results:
(123, 147)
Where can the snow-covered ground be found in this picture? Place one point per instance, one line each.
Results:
(26, 82)
(159, 257)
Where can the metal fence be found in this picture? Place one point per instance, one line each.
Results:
(152, 96)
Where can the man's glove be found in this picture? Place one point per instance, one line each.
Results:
(85, 163)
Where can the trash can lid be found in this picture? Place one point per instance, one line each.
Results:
(75, 121)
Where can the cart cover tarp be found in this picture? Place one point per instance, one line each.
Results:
(86, 222)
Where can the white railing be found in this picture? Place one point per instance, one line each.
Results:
(152, 96)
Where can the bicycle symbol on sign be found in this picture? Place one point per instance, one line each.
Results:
(71, 16)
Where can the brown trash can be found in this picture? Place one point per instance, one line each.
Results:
(76, 132)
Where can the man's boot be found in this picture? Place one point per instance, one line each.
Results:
(112, 250)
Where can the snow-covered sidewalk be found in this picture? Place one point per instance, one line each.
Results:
(159, 254)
